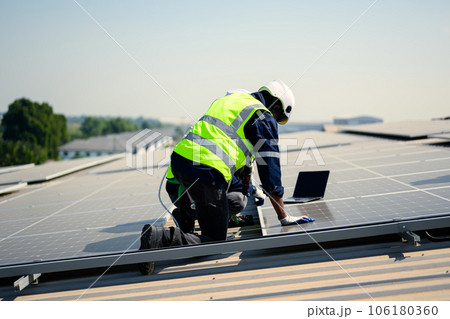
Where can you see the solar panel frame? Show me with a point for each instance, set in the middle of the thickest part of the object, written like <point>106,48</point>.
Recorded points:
<point>444,136</point>
<point>4,189</point>
<point>9,169</point>
<point>49,171</point>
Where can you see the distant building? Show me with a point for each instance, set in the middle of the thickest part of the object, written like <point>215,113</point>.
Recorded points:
<point>300,127</point>
<point>100,145</point>
<point>356,120</point>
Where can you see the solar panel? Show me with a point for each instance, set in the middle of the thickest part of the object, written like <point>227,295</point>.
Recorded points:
<point>4,189</point>
<point>379,184</point>
<point>94,213</point>
<point>445,136</point>
<point>293,141</point>
<point>361,211</point>
<point>442,192</point>
<point>9,169</point>
<point>404,129</point>
<point>45,172</point>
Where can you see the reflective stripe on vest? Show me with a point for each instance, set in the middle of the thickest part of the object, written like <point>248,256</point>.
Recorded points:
<point>211,146</point>
<point>218,138</point>
<point>231,131</point>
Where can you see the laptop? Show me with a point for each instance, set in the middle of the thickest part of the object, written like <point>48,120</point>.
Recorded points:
<point>310,186</point>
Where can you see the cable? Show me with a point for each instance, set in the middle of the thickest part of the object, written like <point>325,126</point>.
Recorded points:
<point>436,238</point>
<point>164,176</point>
<point>160,200</point>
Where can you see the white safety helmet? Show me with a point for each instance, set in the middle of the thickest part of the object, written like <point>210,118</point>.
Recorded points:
<point>281,91</point>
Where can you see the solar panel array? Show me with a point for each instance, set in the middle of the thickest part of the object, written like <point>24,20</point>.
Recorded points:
<point>404,129</point>
<point>4,189</point>
<point>9,169</point>
<point>295,141</point>
<point>49,171</point>
<point>93,213</point>
<point>102,210</point>
<point>371,182</point>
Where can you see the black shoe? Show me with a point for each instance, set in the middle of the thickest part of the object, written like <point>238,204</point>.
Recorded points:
<point>146,243</point>
<point>147,268</point>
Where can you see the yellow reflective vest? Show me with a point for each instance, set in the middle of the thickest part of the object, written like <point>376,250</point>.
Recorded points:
<point>218,139</point>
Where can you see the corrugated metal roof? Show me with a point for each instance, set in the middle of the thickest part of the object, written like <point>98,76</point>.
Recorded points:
<point>382,271</point>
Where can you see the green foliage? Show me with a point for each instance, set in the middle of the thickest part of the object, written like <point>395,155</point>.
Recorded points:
<point>148,123</point>
<point>74,131</point>
<point>118,125</point>
<point>84,127</point>
<point>20,152</point>
<point>95,126</point>
<point>31,133</point>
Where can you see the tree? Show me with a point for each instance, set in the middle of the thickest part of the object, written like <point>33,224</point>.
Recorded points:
<point>118,125</point>
<point>93,126</point>
<point>35,129</point>
<point>60,135</point>
<point>20,152</point>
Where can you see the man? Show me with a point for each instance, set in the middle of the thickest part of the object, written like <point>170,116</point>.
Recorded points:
<point>220,145</point>
<point>237,193</point>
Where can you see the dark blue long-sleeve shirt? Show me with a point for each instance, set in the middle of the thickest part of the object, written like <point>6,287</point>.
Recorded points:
<point>262,132</point>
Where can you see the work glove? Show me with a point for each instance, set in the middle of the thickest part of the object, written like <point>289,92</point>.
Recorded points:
<point>293,220</point>
<point>258,194</point>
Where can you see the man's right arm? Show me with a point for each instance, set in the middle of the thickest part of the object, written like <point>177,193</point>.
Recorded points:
<point>262,132</point>
<point>278,205</point>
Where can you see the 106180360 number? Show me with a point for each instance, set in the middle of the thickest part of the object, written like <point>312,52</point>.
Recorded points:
<point>403,310</point>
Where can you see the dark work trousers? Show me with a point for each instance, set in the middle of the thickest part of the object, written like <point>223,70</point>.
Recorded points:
<point>186,217</point>
<point>211,206</point>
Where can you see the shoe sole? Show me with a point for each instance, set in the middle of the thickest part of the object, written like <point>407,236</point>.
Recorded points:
<point>148,267</point>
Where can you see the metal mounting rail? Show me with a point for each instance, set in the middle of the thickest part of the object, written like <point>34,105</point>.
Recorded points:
<point>239,245</point>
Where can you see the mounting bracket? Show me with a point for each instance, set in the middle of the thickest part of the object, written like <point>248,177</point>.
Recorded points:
<point>24,281</point>
<point>411,238</point>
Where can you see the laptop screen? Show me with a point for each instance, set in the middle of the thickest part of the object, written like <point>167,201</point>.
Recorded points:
<point>311,184</point>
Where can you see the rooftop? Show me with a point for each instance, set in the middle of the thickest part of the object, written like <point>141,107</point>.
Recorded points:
<point>98,211</point>
<point>112,143</point>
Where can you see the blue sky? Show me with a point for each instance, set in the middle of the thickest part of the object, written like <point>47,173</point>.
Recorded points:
<point>393,63</point>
